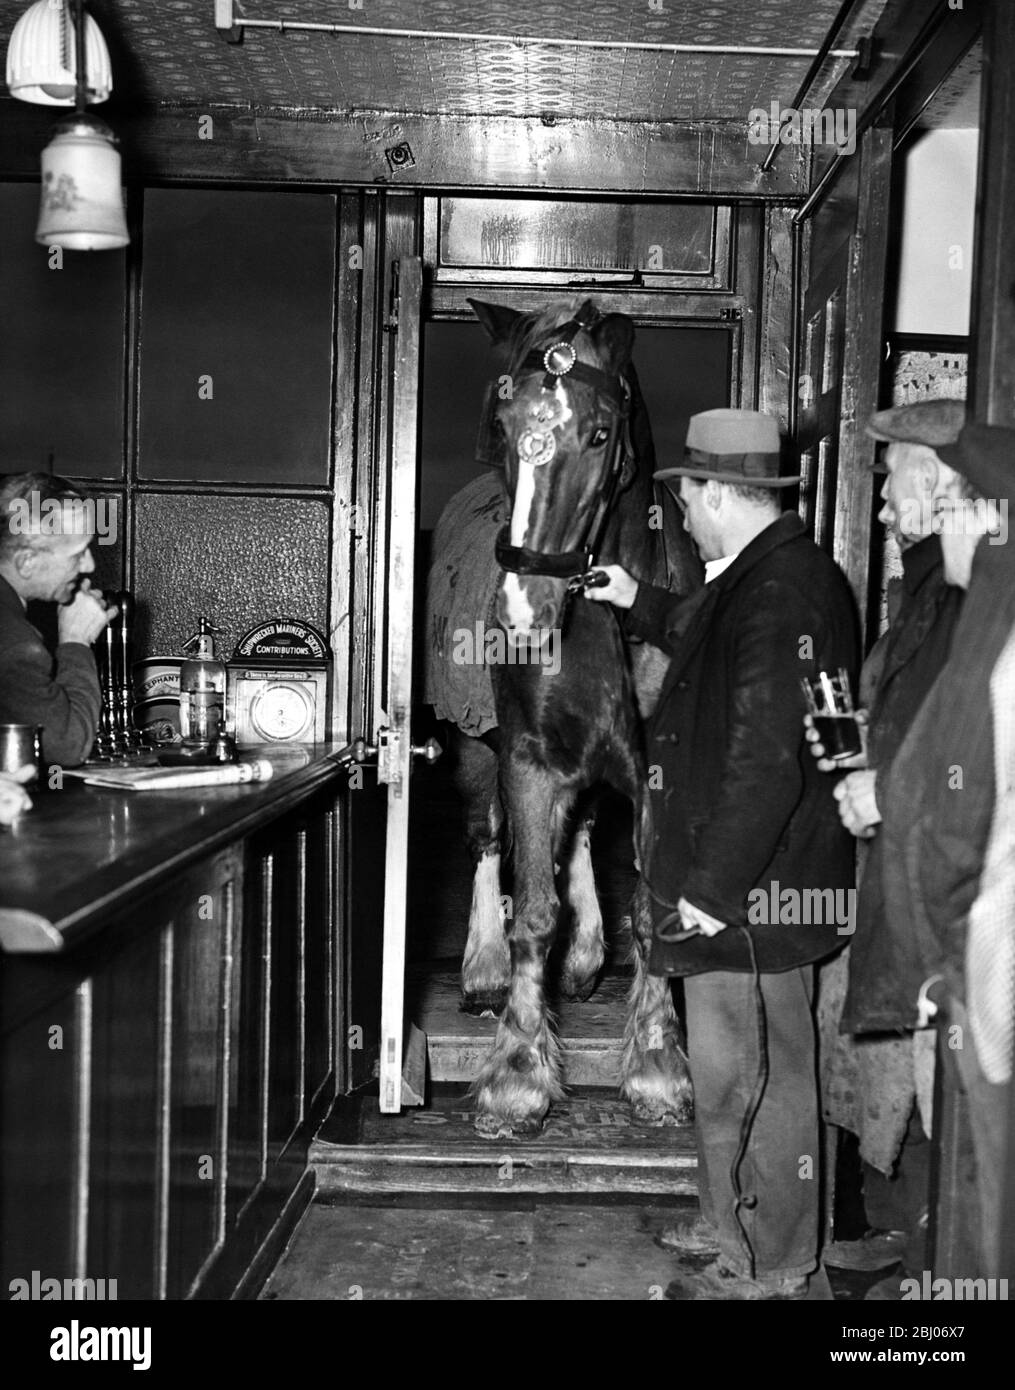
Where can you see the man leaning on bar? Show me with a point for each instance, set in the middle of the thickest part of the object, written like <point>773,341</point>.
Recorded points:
<point>45,554</point>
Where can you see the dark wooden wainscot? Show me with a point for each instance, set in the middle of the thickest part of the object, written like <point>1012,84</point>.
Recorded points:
<point>171,990</point>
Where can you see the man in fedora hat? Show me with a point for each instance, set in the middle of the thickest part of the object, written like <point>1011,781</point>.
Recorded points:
<point>870,1071</point>
<point>949,824</point>
<point>744,832</point>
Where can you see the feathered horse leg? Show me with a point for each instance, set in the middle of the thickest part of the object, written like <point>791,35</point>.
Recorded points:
<point>585,951</point>
<point>654,1074</point>
<point>520,1078</point>
<point>486,966</point>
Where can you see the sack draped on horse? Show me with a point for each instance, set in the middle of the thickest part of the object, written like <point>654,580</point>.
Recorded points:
<point>461,590</point>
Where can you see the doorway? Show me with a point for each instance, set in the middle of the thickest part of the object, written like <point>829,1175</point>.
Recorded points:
<point>683,368</point>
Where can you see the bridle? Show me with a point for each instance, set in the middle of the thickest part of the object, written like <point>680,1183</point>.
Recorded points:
<point>537,445</point>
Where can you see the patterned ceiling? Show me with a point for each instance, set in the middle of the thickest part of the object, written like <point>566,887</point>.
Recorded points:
<point>167,52</point>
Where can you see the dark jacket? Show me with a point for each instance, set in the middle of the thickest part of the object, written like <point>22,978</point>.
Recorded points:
<point>59,693</point>
<point>738,804</point>
<point>916,647</point>
<point>937,795</point>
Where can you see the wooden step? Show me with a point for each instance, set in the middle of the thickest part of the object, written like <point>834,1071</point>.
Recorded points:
<point>588,1145</point>
<point>457,1043</point>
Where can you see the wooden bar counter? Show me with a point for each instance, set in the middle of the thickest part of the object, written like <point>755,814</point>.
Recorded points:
<point>171,987</point>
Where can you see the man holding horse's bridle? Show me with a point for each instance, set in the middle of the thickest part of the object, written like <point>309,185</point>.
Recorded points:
<point>749,868</point>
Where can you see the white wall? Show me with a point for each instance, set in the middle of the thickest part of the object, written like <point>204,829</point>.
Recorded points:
<point>937,234</point>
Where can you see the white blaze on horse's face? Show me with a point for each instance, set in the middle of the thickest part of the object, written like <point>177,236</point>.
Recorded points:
<point>536,447</point>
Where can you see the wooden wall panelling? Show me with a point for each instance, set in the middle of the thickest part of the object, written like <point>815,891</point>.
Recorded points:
<point>39,1098</point>
<point>750,223</point>
<point>368,324</point>
<point>862,314</point>
<point>775,315</point>
<point>125,1125</point>
<point>450,152</point>
<point>61,350</point>
<point>285,1090</point>
<point>319,994</point>
<point>203,939</point>
<point>992,359</point>
<point>351,274</point>
<point>236,336</point>
<point>248,1130</point>
<point>363,902</point>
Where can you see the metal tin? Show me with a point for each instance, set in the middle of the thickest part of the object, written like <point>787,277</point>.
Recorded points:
<point>156,677</point>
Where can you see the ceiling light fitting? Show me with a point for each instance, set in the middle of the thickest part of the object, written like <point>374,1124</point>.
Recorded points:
<point>58,57</point>
<point>40,57</point>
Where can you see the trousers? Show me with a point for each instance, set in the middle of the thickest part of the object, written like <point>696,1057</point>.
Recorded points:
<point>779,1175</point>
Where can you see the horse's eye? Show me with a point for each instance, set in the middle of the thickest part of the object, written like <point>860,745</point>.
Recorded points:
<point>599,438</point>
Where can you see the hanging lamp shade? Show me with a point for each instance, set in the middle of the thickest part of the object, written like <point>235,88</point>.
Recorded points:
<point>81,208</point>
<point>40,57</point>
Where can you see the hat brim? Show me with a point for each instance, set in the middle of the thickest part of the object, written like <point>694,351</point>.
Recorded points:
<point>705,475</point>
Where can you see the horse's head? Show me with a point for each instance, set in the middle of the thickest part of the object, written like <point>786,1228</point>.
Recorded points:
<point>561,413</point>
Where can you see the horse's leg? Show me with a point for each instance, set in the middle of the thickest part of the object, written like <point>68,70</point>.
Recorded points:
<point>519,1080</point>
<point>486,966</point>
<point>584,958</point>
<point>654,1074</point>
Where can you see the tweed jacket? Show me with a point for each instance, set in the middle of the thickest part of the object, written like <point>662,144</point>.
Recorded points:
<point>58,692</point>
<point>937,796</point>
<point>743,823</point>
<point>916,648</point>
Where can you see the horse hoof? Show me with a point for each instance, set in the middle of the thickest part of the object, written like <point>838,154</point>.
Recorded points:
<point>579,990</point>
<point>489,1003</point>
<point>494,1127</point>
<point>659,1116</point>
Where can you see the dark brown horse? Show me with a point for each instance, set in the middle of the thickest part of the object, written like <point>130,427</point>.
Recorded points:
<point>566,691</point>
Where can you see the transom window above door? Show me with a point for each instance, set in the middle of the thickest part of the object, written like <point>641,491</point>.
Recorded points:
<point>576,243</point>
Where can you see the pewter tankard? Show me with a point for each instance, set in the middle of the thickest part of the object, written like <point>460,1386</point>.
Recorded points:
<point>20,746</point>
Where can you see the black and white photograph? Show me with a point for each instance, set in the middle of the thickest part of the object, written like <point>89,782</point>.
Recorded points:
<point>507,671</point>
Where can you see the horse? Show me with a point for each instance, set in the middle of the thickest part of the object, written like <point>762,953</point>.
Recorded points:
<point>554,704</point>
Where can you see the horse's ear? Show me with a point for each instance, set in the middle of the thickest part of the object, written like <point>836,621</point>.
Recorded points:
<point>614,335</point>
<point>498,320</point>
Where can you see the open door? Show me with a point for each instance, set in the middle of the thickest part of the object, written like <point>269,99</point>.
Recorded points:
<point>382,811</point>
<point>394,750</point>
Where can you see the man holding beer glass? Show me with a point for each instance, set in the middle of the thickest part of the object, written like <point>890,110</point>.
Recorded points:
<point>870,1082</point>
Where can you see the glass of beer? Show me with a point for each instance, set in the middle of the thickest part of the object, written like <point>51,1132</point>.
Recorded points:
<point>831,707</point>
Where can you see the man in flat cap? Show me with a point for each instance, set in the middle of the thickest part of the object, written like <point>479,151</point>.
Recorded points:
<point>870,1072</point>
<point>745,830</point>
<point>948,801</point>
